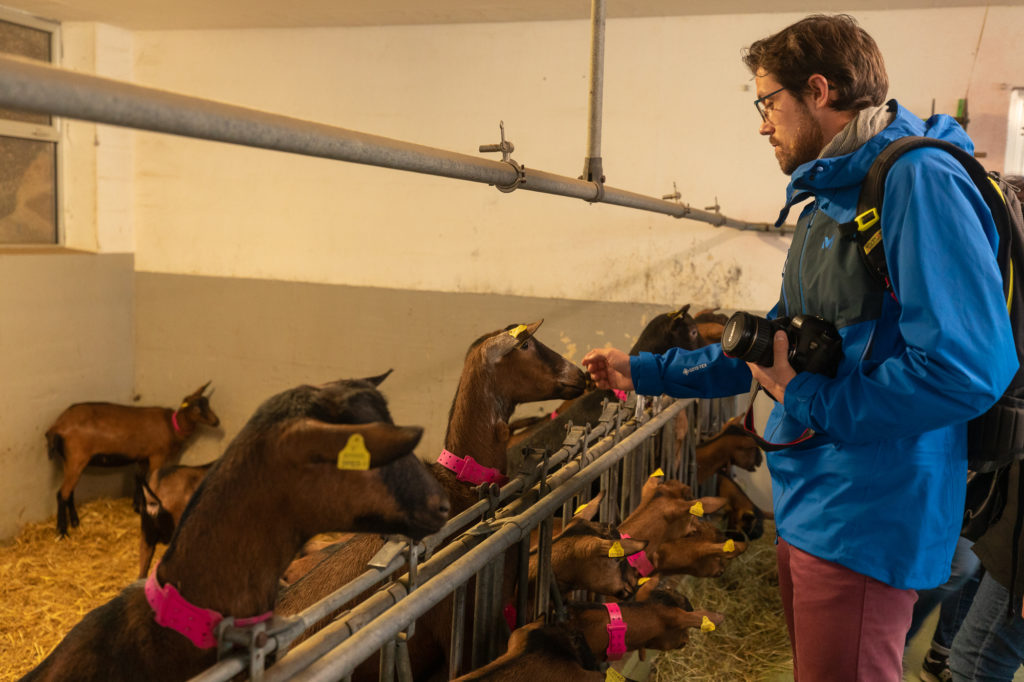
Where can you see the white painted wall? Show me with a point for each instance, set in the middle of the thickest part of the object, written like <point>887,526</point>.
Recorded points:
<point>677,109</point>
<point>98,168</point>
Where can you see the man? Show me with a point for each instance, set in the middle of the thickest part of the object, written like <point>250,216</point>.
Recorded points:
<point>869,508</point>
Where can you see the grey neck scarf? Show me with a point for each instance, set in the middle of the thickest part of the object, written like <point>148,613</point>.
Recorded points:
<point>868,123</point>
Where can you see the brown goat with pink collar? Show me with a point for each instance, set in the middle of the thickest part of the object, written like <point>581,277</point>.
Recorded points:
<point>307,462</point>
<point>107,434</point>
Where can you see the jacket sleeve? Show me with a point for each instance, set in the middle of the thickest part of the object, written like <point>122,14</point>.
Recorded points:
<point>952,353</point>
<point>702,373</point>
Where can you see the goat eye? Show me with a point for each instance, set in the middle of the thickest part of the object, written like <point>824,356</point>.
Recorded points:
<point>525,346</point>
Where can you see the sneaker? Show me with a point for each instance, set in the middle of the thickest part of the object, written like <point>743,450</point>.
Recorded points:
<point>935,668</point>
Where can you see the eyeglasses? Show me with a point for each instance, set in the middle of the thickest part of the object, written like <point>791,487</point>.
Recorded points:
<point>765,110</point>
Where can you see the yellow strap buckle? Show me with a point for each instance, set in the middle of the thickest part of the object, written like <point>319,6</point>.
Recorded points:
<point>866,219</point>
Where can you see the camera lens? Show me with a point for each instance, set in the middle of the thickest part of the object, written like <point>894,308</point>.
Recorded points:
<point>747,337</point>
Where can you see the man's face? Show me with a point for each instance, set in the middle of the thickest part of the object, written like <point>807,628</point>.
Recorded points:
<point>794,134</point>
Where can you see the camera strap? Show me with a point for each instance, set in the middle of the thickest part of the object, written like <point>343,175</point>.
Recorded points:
<point>766,445</point>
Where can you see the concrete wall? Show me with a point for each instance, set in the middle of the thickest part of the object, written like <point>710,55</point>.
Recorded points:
<point>66,335</point>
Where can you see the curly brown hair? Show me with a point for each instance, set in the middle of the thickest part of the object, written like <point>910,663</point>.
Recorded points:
<point>834,46</point>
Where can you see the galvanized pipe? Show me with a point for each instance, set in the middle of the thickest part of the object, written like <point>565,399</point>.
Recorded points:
<point>593,169</point>
<point>37,87</point>
<point>343,659</point>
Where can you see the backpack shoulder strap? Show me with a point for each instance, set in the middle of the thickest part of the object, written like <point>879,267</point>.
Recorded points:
<point>866,227</point>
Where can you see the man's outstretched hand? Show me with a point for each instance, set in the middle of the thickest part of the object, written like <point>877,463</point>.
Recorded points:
<point>609,368</point>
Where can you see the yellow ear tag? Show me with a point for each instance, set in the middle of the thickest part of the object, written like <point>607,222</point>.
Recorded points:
<point>657,472</point>
<point>354,455</point>
<point>641,581</point>
<point>580,508</point>
<point>183,406</point>
<point>613,675</point>
<point>514,333</point>
<point>706,625</point>
<point>729,546</point>
<point>616,551</point>
<point>697,509</point>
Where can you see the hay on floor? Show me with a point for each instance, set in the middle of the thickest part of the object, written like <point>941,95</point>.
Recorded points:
<point>752,644</point>
<point>47,584</point>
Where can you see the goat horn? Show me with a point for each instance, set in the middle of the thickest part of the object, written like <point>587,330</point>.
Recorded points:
<point>202,388</point>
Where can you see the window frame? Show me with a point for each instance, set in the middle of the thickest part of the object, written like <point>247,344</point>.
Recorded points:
<point>41,133</point>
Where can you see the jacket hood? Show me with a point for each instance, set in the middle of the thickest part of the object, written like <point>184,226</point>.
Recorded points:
<point>849,170</point>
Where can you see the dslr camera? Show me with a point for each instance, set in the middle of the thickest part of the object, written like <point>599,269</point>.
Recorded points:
<point>814,344</point>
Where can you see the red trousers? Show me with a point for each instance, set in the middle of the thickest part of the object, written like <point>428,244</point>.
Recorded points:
<point>843,625</point>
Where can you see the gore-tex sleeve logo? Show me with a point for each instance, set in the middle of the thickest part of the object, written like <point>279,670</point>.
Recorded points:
<point>690,370</point>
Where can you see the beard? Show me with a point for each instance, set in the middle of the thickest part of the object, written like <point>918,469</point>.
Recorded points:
<point>808,141</point>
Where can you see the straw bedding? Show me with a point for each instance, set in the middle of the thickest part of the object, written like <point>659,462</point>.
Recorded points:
<point>752,643</point>
<point>47,585</point>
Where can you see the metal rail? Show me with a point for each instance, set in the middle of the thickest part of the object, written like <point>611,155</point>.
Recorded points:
<point>36,87</point>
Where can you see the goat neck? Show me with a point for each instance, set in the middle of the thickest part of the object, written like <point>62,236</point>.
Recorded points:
<point>231,565</point>
<point>478,424</point>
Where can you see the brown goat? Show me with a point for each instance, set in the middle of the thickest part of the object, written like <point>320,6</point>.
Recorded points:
<point>667,330</point>
<point>582,556</point>
<point>704,554</point>
<point>164,496</point>
<point>501,370</point>
<point>710,324</point>
<point>744,519</point>
<point>107,434</point>
<point>285,477</point>
<point>660,619</point>
<point>540,653</point>
<point>732,446</point>
<point>665,512</point>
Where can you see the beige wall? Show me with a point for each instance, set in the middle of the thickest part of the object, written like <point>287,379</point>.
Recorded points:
<point>253,338</point>
<point>677,109</point>
<point>66,335</point>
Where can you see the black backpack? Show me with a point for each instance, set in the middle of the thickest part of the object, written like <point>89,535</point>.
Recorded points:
<point>996,438</point>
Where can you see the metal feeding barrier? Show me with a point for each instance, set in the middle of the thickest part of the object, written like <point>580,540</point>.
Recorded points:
<point>617,454</point>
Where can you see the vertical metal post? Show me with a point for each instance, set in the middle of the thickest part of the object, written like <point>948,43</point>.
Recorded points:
<point>458,631</point>
<point>523,590</point>
<point>402,662</point>
<point>494,613</point>
<point>592,167</point>
<point>543,567</point>
<point>481,609</point>
<point>387,662</point>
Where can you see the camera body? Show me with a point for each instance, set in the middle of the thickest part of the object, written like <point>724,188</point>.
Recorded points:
<point>814,343</point>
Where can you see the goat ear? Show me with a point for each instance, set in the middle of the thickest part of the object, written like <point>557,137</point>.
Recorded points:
<point>644,592</point>
<point>713,504</point>
<point>681,313</point>
<point>695,619</point>
<point>383,442</point>
<point>379,379</point>
<point>507,340</point>
<point>199,391</point>
<point>589,510</point>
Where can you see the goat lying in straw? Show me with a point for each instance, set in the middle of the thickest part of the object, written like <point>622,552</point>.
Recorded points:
<point>294,470</point>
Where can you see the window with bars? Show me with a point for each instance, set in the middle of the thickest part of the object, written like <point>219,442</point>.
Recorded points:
<point>29,159</point>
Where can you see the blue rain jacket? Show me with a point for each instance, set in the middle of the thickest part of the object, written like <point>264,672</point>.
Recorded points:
<point>880,487</point>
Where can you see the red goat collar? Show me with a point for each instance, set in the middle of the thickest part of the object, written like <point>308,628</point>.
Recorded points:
<point>616,633</point>
<point>173,611</point>
<point>639,561</point>
<point>174,421</point>
<point>469,470</point>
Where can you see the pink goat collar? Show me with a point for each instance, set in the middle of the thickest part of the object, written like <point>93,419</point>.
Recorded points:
<point>174,421</point>
<point>469,470</point>
<point>616,633</point>
<point>173,611</point>
<point>639,561</point>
